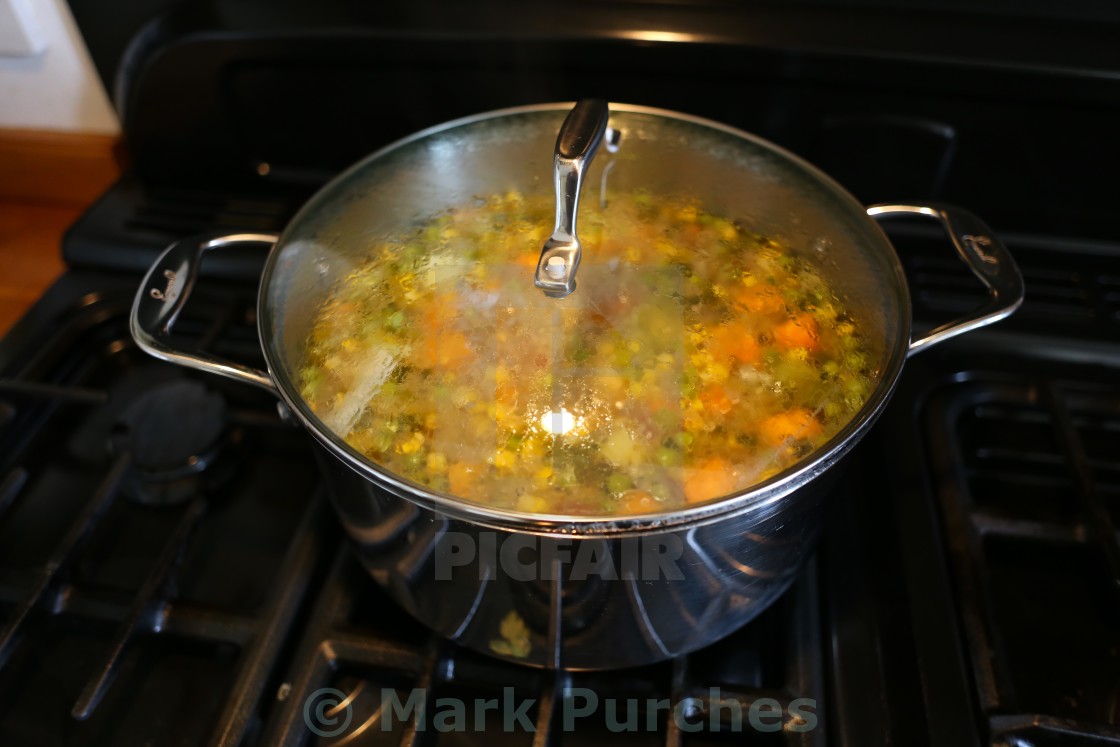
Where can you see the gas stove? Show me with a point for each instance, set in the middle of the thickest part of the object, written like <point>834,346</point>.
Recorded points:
<point>171,573</point>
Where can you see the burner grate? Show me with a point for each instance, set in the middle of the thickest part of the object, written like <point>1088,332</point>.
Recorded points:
<point>121,621</point>
<point>352,655</point>
<point>1073,287</point>
<point>1025,469</point>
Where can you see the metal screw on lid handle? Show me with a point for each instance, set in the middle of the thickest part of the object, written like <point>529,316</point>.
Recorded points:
<point>579,139</point>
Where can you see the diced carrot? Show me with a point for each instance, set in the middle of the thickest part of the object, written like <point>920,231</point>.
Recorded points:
<point>461,478</point>
<point>710,479</point>
<point>800,332</point>
<point>637,502</point>
<point>435,315</point>
<point>345,307</point>
<point>758,299</point>
<point>446,350</point>
<point>505,393</point>
<point>792,424</point>
<point>734,341</point>
<point>715,399</point>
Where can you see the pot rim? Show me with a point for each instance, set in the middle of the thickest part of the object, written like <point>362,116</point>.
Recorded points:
<point>757,497</point>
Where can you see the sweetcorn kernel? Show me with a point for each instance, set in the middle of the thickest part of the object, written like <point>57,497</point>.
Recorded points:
<point>532,504</point>
<point>437,463</point>
<point>412,444</point>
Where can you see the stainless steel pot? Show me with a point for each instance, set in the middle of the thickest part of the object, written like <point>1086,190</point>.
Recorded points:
<point>567,591</point>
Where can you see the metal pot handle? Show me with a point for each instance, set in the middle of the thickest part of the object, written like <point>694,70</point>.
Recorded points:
<point>984,254</point>
<point>577,143</point>
<point>165,291</point>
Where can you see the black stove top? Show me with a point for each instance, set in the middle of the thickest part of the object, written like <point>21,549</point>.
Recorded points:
<point>171,574</point>
<point>966,591</point>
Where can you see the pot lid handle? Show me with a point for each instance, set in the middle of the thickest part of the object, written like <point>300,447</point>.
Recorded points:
<point>578,141</point>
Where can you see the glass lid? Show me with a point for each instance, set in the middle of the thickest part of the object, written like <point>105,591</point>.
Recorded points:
<point>733,316</point>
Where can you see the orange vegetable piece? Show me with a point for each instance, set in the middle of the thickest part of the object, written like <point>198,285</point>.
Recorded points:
<point>799,332</point>
<point>734,342</point>
<point>462,477</point>
<point>715,398</point>
<point>435,315</point>
<point>637,502</point>
<point>792,424</point>
<point>446,349</point>
<point>710,479</point>
<point>505,393</point>
<point>527,258</point>
<point>758,299</point>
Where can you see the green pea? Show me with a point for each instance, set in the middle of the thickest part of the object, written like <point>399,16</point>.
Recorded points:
<point>619,482</point>
<point>395,320</point>
<point>667,457</point>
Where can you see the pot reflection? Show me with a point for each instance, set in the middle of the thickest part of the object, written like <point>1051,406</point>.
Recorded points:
<point>577,602</point>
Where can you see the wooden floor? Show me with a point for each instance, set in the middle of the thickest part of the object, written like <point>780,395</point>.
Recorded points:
<point>46,181</point>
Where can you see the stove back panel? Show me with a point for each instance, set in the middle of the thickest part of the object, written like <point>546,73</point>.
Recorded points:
<point>1010,119</point>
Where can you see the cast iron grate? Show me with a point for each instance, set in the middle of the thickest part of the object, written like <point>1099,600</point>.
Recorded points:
<point>175,213</point>
<point>353,652</point>
<point>125,623</point>
<point>1073,287</point>
<point>131,223</point>
<point>1026,472</point>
